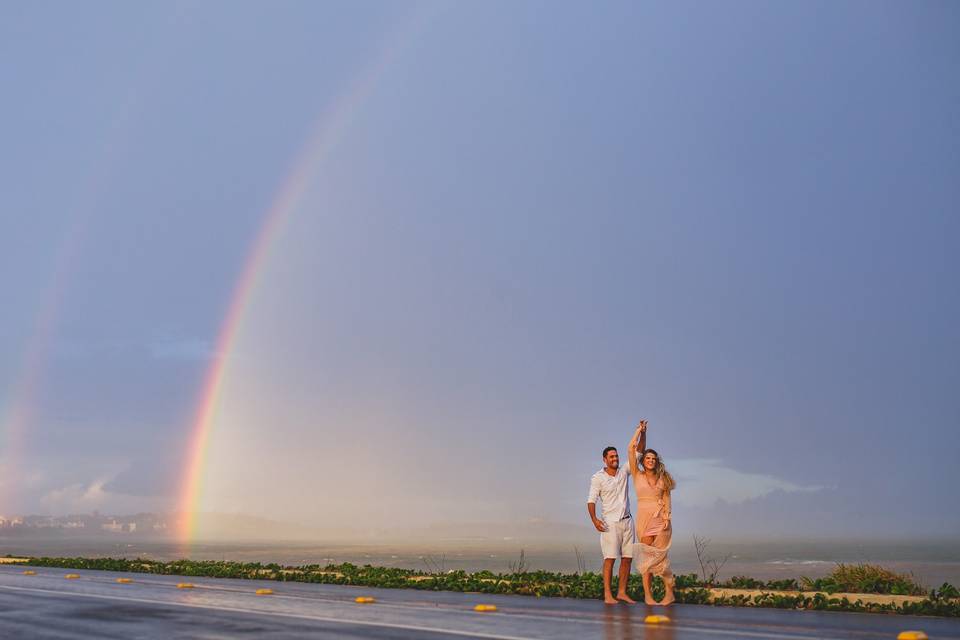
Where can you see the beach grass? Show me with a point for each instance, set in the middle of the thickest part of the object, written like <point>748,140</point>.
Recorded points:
<point>865,578</point>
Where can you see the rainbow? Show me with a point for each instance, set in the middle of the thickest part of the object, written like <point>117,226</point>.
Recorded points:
<point>19,411</point>
<point>20,404</point>
<point>327,131</point>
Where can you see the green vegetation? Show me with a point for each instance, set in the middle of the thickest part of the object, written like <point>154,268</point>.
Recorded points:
<point>865,578</point>
<point>690,588</point>
<point>742,582</point>
<point>845,578</point>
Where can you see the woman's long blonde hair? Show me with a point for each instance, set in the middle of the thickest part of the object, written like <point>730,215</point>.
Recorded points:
<point>663,476</point>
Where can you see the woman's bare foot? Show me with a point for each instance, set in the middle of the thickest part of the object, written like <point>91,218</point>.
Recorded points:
<point>668,598</point>
<point>625,598</point>
<point>648,599</point>
<point>610,600</point>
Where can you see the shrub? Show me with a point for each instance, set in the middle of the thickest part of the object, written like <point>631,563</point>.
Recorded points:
<point>865,578</point>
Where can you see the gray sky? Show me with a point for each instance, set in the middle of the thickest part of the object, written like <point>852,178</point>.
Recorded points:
<point>539,223</point>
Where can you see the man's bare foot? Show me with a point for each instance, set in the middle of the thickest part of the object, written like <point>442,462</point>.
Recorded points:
<point>668,599</point>
<point>625,598</point>
<point>610,600</point>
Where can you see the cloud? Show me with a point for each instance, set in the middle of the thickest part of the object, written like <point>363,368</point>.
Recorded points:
<point>62,482</point>
<point>106,489</point>
<point>85,497</point>
<point>149,475</point>
<point>704,482</point>
<point>75,497</point>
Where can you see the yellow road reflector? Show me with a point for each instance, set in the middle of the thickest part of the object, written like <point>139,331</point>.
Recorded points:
<point>656,619</point>
<point>184,585</point>
<point>485,607</point>
<point>364,600</point>
<point>264,592</point>
<point>124,580</point>
<point>72,576</point>
<point>912,635</point>
<point>29,573</point>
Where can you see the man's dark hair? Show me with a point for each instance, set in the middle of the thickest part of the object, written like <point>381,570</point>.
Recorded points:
<point>608,450</point>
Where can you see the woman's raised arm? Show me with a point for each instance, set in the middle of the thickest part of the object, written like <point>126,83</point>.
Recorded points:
<point>638,444</point>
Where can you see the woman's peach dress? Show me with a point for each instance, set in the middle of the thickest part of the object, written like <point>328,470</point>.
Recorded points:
<point>650,505</point>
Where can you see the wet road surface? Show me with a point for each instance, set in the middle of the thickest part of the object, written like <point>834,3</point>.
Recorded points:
<point>47,605</point>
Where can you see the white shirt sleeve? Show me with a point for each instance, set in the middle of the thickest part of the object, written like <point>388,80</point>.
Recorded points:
<point>594,490</point>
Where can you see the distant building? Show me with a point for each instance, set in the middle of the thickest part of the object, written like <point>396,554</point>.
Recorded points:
<point>112,526</point>
<point>38,522</point>
<point>138,523</point>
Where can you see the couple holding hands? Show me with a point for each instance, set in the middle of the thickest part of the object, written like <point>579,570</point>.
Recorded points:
<point>620,536</point>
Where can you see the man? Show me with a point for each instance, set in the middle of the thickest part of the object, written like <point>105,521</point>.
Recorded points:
<point>617,536</point>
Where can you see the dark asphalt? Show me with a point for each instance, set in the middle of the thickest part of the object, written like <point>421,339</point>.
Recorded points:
<point>94,606</point>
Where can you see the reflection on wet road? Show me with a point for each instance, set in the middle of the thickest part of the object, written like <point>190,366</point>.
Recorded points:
<point>46,605</point>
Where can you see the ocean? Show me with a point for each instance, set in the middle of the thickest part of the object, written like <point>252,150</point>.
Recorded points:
<point>930,562</point>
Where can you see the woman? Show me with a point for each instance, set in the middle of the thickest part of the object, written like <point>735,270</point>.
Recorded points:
<point>653,484</point>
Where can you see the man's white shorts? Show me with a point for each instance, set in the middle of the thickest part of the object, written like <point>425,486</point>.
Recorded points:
<point>618,540</point>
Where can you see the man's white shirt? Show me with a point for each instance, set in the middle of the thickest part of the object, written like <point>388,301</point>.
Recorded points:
<point>612,492</point>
